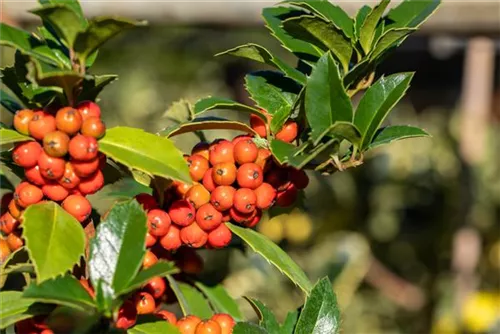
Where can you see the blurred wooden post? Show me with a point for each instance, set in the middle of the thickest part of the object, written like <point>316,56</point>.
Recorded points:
<point>477,94</point>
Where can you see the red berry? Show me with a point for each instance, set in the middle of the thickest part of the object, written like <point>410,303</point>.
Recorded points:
<point>51,167</point>
<point>208,327</point>
<point>193,236</point>
<point>127,315</point>
<point>55,191</point>
<point>245,151</point>
<point>198,195</point>
<point>245,200</point>
<point>93,127</point>
<point>258,125</point>
<point>240,217</point>
<point>250,175</point>
<point>298,177</point>
<point>207,217</point>
<point>83,148</point>
<point>201,149</point>
<point>208,181</point>
<point>224,174</point>
<point>225,321</point>
<point>168,316</point>
<point>264,160</point>
<point>239,138</point>
<point>88,109</point>
<point>149,260</point>
<point>68,120</point>
<point>220,237</point>
<point>8,223</point>
<point>34,176</point>
<point>278,178</point>
<point>85,168</point>
<point>77,206</point>
<point>22,119</point>
<point>221,152</point>
<point>222,197</point>
<point>26,154</point>
<point>150,240</point>
<point>69,180</point>
<point>172,240</point>
<point>255,219</point>
<point>41,124</point>
<point>288,132</point>
<point>147,201</point>
<point>158,222</point>
<point>56,144</point>
<point>28,194</point>
<point>265,196</point>
<point>287,197</point>
<point>156,287</point>
<point>182,213</point>
<point>187,325</point>
<point>198,165</point>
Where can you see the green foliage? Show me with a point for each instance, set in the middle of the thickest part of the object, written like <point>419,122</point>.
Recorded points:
<point>220,300</point>
<point>160,269</point>
<point>190,299</point>
<point>154,327</point>
<point>54,239</point>
<point>16,308</point>
<point>248,328</point>
<point>8,136</point>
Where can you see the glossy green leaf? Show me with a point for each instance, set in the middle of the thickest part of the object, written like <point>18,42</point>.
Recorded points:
<point>287,153</point>
<point>267,320</point>
<point>411,13</point>
<point>320,313</point>
<point>388,39</point>
<point>330,12</point>
<point>8,136</point>
<point>154,327</point>
<point>73,4</point>
<point>206,123</point>
<point>60,50</point>
<point>220,300</point>
<point>258,53</point>
<point>11,79</point>
<point>17,258</point>
<point>63,19</point>
<point>323,34</point>
<point>377,102</point>
<point>273,16</point>
<point>289,323</point>
<point>27,44</point>
<point>396,132</point>
<point>16,308</point>
<point>275,255</point>
<point>190,299</point>
<point>99,31</point>
<point>145,152</point>
<point>248,328</point>
<point>161,268</point>
<point>65,290</point>
<point>326,100</point>
<point>343,130</point>
<point>117,250</point>
<point>360,18</point>
<point>9,102</point>
<point>367,30</point>
<point>212,103</point>
<point>270,91</point>
<point>54,239</point>
<point>47,75</point>
<point>279,118</point>
<point>91,87</point>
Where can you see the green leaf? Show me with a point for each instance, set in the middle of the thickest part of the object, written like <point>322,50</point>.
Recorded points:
<point>65,290</point>
<point>270,91</point>
<point>211,103</point>
<point>156,327</point>
<point>205,123</point>
<point>91,87</point>
<point>323,34</point>
<point>411,13</point>
<point>248,328</point>
<point>63,19</point>
<point>190,299</point>
<point>279,118</point>
<point>161,269</point>
<point>8,136</point>
<point>145,152</point>
<point>289,323</point>
<point>99,31</point>
<point>9,103</point>
<point>258,53</point>
<point>274,17</point>
<point>275,255</point>
<point>19,257</point>
<point>16,308</point>
<point>117,250</point>
<point>343,130</point>
<point>54,239</point>
<point>266,318</point>
<point>60,51</point>
<point>220,300</point>
<point>377,102</point>
<point>320,313</point>
<point>396,132</point>
<point>388,39</point>
<point>47,76</point>
<point>367,31</point>
<point>360,18</point>
<point>73,4</point>
<point>287,153</point>
<point>329,12</point>
<point>358,72</point>
<point>326,100</point>
<point>28,45</point>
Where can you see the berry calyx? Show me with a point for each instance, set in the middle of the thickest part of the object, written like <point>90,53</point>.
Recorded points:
<point>207,217</point>
<point>69,180</point>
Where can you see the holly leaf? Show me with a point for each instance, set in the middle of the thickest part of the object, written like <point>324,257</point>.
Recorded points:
<point>161,268</point>
<point>72,4</point>
<point>360,19</point>
<point>8,136</point>
<point>65,290</point>
<point>377,102</point>
<point>367,30</point>
<point>220,300</point>
<point>248,328</point>
<point>212,103</point>
<point>16,308</point>
<point>54,239</point>
<point>92,86</point>
<point>396,132</point>
<point>190,299</point>
<point>389,39</point>
<point>154,327</point>
<point>275,255</point>
<point>411,13</point>
<point>267,320</point>
<point>146,152</point>
<point>287,153</point>
<point>320,313</point>
<point>279,118</point>
<point>9,102</point>
<point>117,250</point>
<point>17,258</point>
<point>289,323</point>
<point>205,123</point>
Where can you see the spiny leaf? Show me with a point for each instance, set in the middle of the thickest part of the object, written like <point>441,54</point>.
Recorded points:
<point>190,299</point>
<point>205,123</point>
<point>367,31</point>
<point>211,103</point>
<point>16,308</point>
<point>396,132</point>
<point>220,300</point>
<point>411,13</point>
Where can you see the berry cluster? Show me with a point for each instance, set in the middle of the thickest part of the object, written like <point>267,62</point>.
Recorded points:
<point>62,164</point>
<point>233,181</point>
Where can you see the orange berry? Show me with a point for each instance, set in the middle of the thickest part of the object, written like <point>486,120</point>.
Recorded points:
<point>220,237</point>
<point>254,220</point>
<point>51,167</point>
<point>245,200</point>
<point>258,125</point>
<point>288,132</point>
<point>240,217</point>
<point>208,181</point>
<point>222,197</point>
<point>4,250</point>
<point>88,109</point>
<point>250,175</point>
<point>14,241</point>
<point>225,321</point>
<point>198,196</point>
<point>168,316</point>
<point>68,120</point>
<point>156,287</point>
<point>265,194</point>
<point>28,194</point>
<point>221,152</point>
<point>172,240</point>
<point>55,191</point>
<point>180,188</point>
<point>93,127</point>
<point>158,222</point>
<point>26,154</point>
<point>150,240</point>
<point>69,180</point>
<point>56,143</point>
<point>91,184</point>
<point>198,165</point>
<point>8,223</point>
<point>33,175</point>
<point>77,206</point>
<point>208,327</point>
<point>182,213</point>
<point>264,159</point>
<point>41,124</point>
<point>149,259</point>
<point>201,149</point>
<point>239,138</point>
<point>224,174</point>
<point>245,151</point>
<point>187,324</point>
<point>193,236</point>
<point>207,217</point>
<point>15,210</point>
<point>22,119</point>
<point>83,148</point>
<point>85,168</point>
<point>127,315</point>
<point>147,201</point>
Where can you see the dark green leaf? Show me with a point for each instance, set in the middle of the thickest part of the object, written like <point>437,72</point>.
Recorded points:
<point>54,239</point>
<point>47,76</point>
<point>260,54</point>
<point>388,39</point>
<point>267,320</point>
<point>323,34</point>
<point>329,12</point>
<point>16,308</point>
<point>117,250</point>
<point>275,255</point>
<point>19,257</point>
<point>99,31</point>
<point>55,44</point>
<point>279,118</point>
<point>205,123</point>
<point>326,100</point>
<point>156,327</point>
<point>377,102</point>
<point>65,290</point>
<point>220,300</point>
<point>289,323</point>
<point>274,17</point>
<point>8,136</point>
<point>161,269</point>
<point>9,102</point>
<point>343,130</point>
<point>63,19</point>
<point>190,299</point>
<point>358,72</point>
<point>411,13</point>
<point>211,103</point>
<point>320,313</point>
<point>367,31</point>
<point>249,328</point>
<point>92,86</point>
<point>270,91</point>
<point>73,4</point>
<point>146,152</point>
<point>287,153</point>
<point>360,18</point>
<point>396,132</point>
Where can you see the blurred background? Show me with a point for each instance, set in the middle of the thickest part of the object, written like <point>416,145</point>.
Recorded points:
<point>411,239</point>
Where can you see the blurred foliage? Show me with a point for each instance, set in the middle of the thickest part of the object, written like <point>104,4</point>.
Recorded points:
<point>402,208</point>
